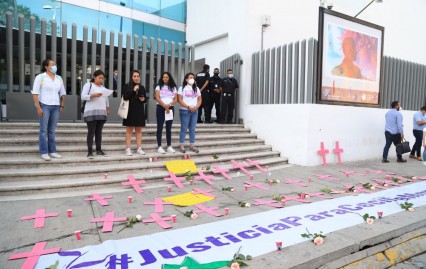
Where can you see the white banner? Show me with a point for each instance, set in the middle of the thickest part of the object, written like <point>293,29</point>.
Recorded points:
<point>256,233</point>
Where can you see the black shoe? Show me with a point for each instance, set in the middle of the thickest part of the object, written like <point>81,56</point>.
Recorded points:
<point>90,155</point>
<point>101,153</point>
<point>385,161</point>
<point>199,121</point>
<point>402,160</point>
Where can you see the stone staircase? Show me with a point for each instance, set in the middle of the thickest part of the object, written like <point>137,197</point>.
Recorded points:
<point>23,172</point>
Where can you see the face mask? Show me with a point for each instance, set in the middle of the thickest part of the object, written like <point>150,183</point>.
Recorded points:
<point>53,69</point>
<point>191,81</point>
<point>230,75</point>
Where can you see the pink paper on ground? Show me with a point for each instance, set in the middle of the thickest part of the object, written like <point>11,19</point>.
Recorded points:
<point>294,198</point>
<point>39,217</point>
<point>323,152</point>
<point>388,182</point>
<point>175,179</point>
<point>327,177</point>
<point>223,172</point>
<point>296,182</point>
<point>208,210</point>
<point>134,183</point>
<point>100,199</point>
<point>358,189</point>
<point>379,172</point>
<point>240,166</point>
<point>33,255</point>
<point>257,164</point>
<point>348,173</point>
<point>204,192</point>
<point>158,204</point>
<point>204,177</point>
<point>421,178</point>
<point>108,221</point>
<point>375,185</point>
<point>159,220</point>
<point>256,185</point>
<point>272,203</point>
<point>338,151</point>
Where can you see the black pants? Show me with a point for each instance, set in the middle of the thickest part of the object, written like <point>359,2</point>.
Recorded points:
<point>418,144</point>
<point>94,129</point>
<point>214,101</point>
<point>227,105</point>
<point>205,104</point>
<point>160,123</point>
<point>391,138</point>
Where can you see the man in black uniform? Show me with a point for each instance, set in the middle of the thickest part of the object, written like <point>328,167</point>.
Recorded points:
<point>230,86</point>
<point>202,80</point>
<point>215,89</point>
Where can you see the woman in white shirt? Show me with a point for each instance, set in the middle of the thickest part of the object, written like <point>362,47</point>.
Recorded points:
<point>189,98</point>
<point>95,111</point>
<point>166,96</point>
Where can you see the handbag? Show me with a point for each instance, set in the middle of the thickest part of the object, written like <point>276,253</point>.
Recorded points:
<point>123,109</point>
<point>403,147</point>
<point>83,105</point>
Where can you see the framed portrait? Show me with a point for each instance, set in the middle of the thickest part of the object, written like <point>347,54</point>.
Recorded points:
<point>350,53</point>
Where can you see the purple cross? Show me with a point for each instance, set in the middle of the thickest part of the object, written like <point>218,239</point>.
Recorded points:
<point>319,195</point>
<point>208,210</point>
<point>272,203</point>
<point>348,173</point>
<point>158,204</point>
<point>159,220</point>
<point>101,200</point>
<point>257,164</point>
<point>240,166</point>
<point>33,256</point>
<point>338,151</point>
<point>204,177</point>
<point>323,152</point>
<point>205,192</point>
<point>294,198</point>
<point>223,172</point>
<point>175,179</point>
<point>39,217</point>
<point>135,184</point>
<point>379,172</point>
<point>257,185</point>
<point>108,221</point>
<point>296,182</point>
<point>327,177</point>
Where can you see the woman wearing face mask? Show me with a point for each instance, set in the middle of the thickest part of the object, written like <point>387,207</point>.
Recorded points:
<point>189,98</point>
<point>48,94</point>
<point>95,111</point>
<point>136,94</point>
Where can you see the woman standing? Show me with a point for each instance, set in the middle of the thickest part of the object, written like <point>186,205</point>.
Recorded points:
<point>165,94</point>
<point>48,94</point>
<point>136,94</point>
<point>189,97</point>
<point>95,111</point>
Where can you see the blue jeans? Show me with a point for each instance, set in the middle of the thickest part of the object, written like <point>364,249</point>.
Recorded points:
<point>188,119</point>
<point>391,138</point>
<point>48,124</point>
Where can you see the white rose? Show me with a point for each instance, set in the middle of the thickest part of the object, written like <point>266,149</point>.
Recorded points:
<point>373,188</point>
<point>139,217</point>
<point>247,204</point>
<point>411,209</point>
<point>278,181</point>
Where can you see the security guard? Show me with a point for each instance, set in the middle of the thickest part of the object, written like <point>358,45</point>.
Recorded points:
<point>230,86</point>
<point>215,89</point>
<point>202,79</point>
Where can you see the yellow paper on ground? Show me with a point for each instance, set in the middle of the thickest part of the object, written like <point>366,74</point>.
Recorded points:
<point>187,199</point>
<point>181,166</point>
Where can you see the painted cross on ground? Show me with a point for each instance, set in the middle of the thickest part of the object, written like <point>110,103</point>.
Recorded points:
<point>318,195</point>
<point>294,198</point>
<point>257,164</point>
<point>323,152</point>
<point>39,217</point>
<point>356,189</point>
<point>108,221</point>
<point>404,179</point>
<point>296,182</point>
<point>375,185</point>
<point>204,177</point>
<point>223,172</point>
<point>327,177</point>
<point>379,172</point>
<point>256,185</point>
<point>134,183</point>
<point>33,256</point>
<point>240,166</point>
<point>338,151</point>
<point>158,203</point>
<point>175,179</point>
<point>208,210</point>
<point>100,199</point>
<point>272,203</point>
<point>421,178</point>
<point>204,192</point>
<point>159,220</point>
<point>388,182</point>
<point>348,173</point>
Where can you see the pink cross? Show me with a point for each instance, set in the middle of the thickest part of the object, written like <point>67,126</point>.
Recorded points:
<point>135,184</point>
<point>158,204</point>
<point>175,179</point>
<point>357,189</point>
<point>101,200</point>
<point>375,185</point>
<point>421,178</point>
<point>204,177</point>
<point>327,177</point>
<point>388,182</point>
<point>294,198</point>
<point>205,192</point>
<point>272,203</point>
<point>338,151</point>
<point>379,172</point>
<point>348,173</point>
<point>257,185</point>
<point>240,166</point>
<point>159,220</point>
<point>39,217</point>
<point>323,152</point>
<point>223,172</point>
<point>257,164</point>
<point>319,195</point>
<point>296,182</point>
<point>108,221</point>
<point>208,210</point>
<point>33,255</point>
<point>404,179</point>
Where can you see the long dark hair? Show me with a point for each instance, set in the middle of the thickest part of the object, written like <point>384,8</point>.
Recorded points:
<point>44,64</point>
<point>171,85</point>
<point>131,82</point>
<point>97,73</point>
<point>184,83</point>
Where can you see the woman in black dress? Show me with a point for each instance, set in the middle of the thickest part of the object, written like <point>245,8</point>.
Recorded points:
<point>136,94</point>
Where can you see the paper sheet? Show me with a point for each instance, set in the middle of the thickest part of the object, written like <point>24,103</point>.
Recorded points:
<point>168,116</point>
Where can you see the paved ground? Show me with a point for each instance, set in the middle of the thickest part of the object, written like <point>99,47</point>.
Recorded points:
<point>19,236</point>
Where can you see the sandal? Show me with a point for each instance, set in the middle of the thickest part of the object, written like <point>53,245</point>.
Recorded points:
<point>194,149</point>
<point>182,149</point>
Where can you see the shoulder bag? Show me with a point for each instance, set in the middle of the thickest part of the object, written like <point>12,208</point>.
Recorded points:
<point>83,105</point>
<point>123,109</point>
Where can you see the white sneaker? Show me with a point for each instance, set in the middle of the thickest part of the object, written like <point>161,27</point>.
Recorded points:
<point>129,152</point>
<point>140,151</point>
<point>55,155</point>
<point>170,149</point>
<point>160,150</point>
<point>45,157</point>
